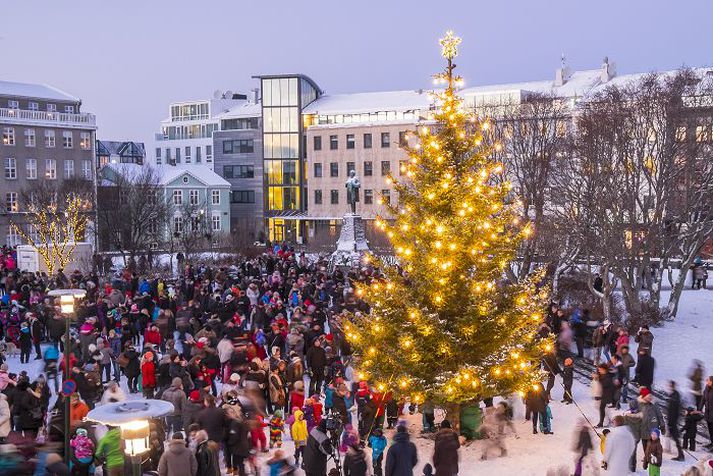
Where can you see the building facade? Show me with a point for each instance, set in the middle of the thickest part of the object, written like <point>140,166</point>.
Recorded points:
<point>46,137</point>
<point>120,152</point>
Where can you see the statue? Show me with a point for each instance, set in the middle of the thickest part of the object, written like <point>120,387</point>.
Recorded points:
<point>353,185</point>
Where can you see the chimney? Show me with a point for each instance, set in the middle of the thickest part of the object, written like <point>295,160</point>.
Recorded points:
<point>608,70</point>
<point>256,95</point>
<point>563,73</point>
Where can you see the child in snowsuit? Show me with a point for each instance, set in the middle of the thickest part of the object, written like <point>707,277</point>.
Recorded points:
<point>653,456</point>
<point>299,434</point>
<point>277,425</point>
<point>546,421</point>
<point>691,420</point>
<point>377,441</point>
<point>257,435</point>
<point>82,452</point>
<point>567,379</point>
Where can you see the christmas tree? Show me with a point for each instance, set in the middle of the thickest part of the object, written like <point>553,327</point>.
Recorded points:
<point>445,325</point>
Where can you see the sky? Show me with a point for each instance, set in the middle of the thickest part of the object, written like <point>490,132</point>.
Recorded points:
<point>128,59</point>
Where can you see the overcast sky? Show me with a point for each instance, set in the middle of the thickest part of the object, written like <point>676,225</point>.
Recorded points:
<point>127,59</point>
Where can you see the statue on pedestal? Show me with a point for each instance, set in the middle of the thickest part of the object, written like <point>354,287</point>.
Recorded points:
<point>352,243</point>
<point>353,185</point>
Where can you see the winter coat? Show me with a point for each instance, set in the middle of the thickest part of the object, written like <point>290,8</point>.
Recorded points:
<point>627,362</point>
<point>316,360</point>
<point>29,409</point>
<point>445,452</point>
<point>651,418</point>
<point>537,400</point>
<point>132,369</point>
<point>606,381</point>
<point>109,449</point>
<point>318,449</point>
<point>177,397</point>
<point>237,438</point>
<point>378,445</point>
<point>148,375</point>
<point>212,420</point>
<point>5,419</point>
<point>673,411</point>
<point>401,457</point>
<point>645,371</point>
<point>207,458</point>
<point>177,460</point>
<point>707,404</point>
<point>339,406</point>
<point>225,350</point>
<point>618,448</point>
<point>653,454</point>
<point>190,412</point>
<point>645,340</point>
<point>299,427</point>
<point>356,463</point>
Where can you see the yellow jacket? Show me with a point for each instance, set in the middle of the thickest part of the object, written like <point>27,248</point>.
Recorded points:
<point>299,427</point>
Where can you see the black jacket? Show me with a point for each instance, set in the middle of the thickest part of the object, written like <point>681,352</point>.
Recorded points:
<point>673,410</point>
<point>237,438</point>
<point>445,452</point>
<point>212,420</point>
<point>339,406</point>
<point>645,371</point>
<point>318,448</point>
<point>707,403</point>
<point>401,457</point>
<point>316,360</point>
<point>355,463</point>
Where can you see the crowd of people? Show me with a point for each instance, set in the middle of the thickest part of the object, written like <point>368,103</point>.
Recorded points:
<point>250,355</point>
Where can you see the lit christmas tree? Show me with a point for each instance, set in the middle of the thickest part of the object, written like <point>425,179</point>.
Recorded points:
<point>450,328</point>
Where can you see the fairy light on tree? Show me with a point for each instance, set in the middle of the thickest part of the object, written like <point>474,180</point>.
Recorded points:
<point>450,328</point>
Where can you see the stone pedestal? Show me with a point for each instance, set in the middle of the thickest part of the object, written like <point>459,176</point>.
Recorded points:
<point>352,243</point>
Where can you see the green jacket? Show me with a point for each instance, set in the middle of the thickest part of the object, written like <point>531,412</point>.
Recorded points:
<point>109,449</point>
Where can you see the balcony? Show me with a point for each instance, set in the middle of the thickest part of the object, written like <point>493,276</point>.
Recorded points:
<point>63,119</point>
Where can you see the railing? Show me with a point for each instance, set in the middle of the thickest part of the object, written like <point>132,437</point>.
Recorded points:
<point>44,116</point>
<point>158,136</point>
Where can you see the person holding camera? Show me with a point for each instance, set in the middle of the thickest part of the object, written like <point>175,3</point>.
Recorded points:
<point>319,448</point>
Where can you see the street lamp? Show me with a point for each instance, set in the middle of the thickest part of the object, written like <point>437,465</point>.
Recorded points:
<point>66,305</point>
<point>132,418</point>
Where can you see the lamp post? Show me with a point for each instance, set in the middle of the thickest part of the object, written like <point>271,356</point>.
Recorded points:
<point>132,418</point>
<point>66,303</point>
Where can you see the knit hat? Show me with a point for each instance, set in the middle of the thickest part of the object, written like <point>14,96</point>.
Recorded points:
<point>278,413</point>
<point>178,436</point>
<point>4,368</point>
<point>401,427</point>
<point>656,432</point>
<point>148,356</point>
<point>234,377</point>
<point>81,432</point>
<point>644,392</point>
<point>195,396</point>
<point>176,382</point>
<point>445,424</point>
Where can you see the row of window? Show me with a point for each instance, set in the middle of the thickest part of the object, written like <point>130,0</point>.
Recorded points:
<point>194,223</point>
<point>238,171</point>
<point>188,157</point>
<point>31,167</point>
<point>35,106</point>
<point>367,141</point>
<point>704,133</point>
<point>368,197</point>
<point>241,146</point>
<point>194,197</point>
<point>367,171</point>
<point>8,138</point>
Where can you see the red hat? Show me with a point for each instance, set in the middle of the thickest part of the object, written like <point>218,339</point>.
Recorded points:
<point>329,337</point>
<point>195,396</point>
<point>644,392</point>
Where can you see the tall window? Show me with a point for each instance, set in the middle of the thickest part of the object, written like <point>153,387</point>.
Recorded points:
<point>178,155</point>
<point>33,106</point>
<point>158,156</point>
<point>8,136</point>
<point>209,153</point>
<point>334,169</point>
<point>350,141</point>
<point>30,140</point>
<point>51,107</point>
<point>193,197</point>
<point>87,169</point>
<point>13,104</point>
<point>385,167</point>
<point>67,139</point>
<point>68,169</point>
<point>317,169</point>
<point>199,159</point>
<point>350,166</point>
<point>367,141</point>
<point>334,197</point>
<point>368,168</point>
<point>11,169</point>
<point>187,158</point>
<point>85,142</point>
<point>317,197</point>
<point>215,197</point>
<point>386,196</point>
<point>31,168</point>
<point>368,197</point>
<point>403,142</point>
<point>11,202</point>
<point>178,197</point>
<point>49,139</point>
<point>168,156</point>
<point>178,224</point>
<point>333,142</point>
<point>215,221</point>
<point>403,166</point>
<point>385,140</point>
<point>51,169</point>
<point>317,140</point>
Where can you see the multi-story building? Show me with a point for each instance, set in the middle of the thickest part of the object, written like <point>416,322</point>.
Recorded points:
<point>186,136</point>
<point>120,152</point>
<point>45,137</point>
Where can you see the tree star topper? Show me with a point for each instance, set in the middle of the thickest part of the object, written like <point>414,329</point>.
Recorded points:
<point>450,45</point>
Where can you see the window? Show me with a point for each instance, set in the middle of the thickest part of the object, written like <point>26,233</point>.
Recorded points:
<point>168,155</point>
<point>385,140</point>
<point>215,197</point>
<point>124,197</point>
<point>31,168</point>
<point>317,142</point>
<point>11,202</point>
<point>403,167</point>
<point>85,140</point>
<point>403,141</point>
<point>153,228</point>
<point>386,196</point>
<point>87,170</point>
<point>13,237</point>
<point>317,169</point>
<point>68,169</point>
<point>215,222</point>
<point>209,153</point>
<point>333,142</point>
<point>681,133</point>
<point>178,224</point>
<point>49,139</point>
<point>178,197</point>
<point>51,107</point>
<point>317,197</point>
<point>368,197</point>
<point>69,109</point>
<point>385,167</point>
<point>158,155</point>
<point>187,157</point>
<point>350,166</point>
<point>30,140</point>
<point>8,136</point>
<point>51,169</point>
<point>198,155</point>
<point>334,169</point>
<point>239,171</point>
<point>67,139</point>
<point>243,146</point>
<point>10,169</point>
<point>12,104</point>
<point>178,155</point>
<point>368,168</point>
<point>243,196</point>
<point>193,197</point>
<point>367,141</point>
<point>33,106</point>
<point>703,133</point>
<point>334,197</point>
<point>350,141</point>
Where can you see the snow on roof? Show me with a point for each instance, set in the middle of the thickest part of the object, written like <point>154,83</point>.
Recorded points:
<point>247,109</point>
<point>30,90</point>
<point>369,102</point>
<point>578,84</point>
<point>169,173</point>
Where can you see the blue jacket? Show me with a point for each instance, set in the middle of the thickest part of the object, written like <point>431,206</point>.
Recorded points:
<point>378,445</point>
<point>401,457</point>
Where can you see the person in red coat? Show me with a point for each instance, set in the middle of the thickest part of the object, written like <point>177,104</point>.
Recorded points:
<point>152,336</point>
<point>148,375</point>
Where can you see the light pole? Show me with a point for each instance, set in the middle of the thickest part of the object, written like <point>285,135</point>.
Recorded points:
<point>66,303</point>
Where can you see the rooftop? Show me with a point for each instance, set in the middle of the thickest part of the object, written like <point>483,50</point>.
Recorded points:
<point>169,173</point>
<point>358,103</point>
<point>247,109</point>
<point>38,91</point>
